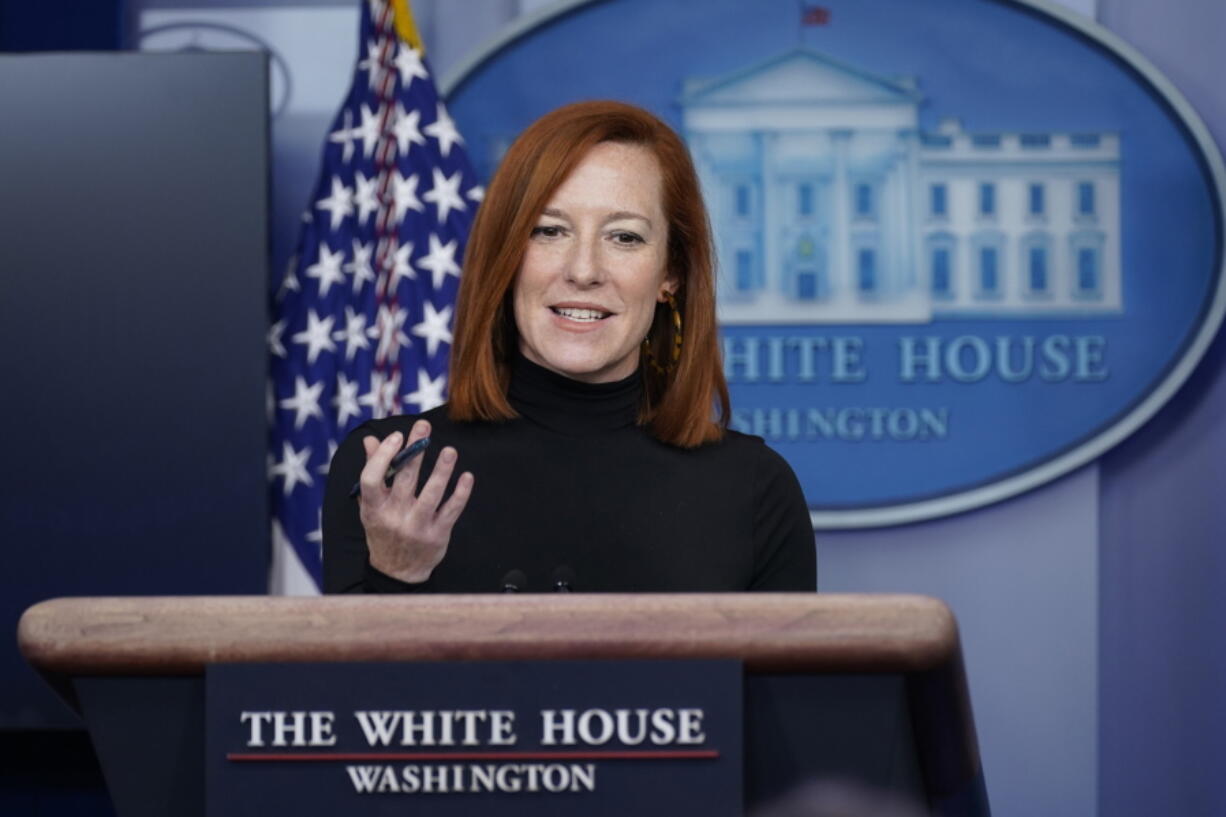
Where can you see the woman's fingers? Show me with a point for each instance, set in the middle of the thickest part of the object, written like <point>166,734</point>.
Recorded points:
<point>454,506</point>
<point>420,429</point>
<point>404,487</point>
<point>377,461</point>
<point>432,492</point>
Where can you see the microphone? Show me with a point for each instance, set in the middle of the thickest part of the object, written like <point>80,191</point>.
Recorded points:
<point>514,581</point>
<point>563,580</point>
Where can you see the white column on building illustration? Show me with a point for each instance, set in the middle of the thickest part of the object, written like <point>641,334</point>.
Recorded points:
<point>964,230</point>
<point>840,265</point>
<point>715,198</point>
<point>772,195</point>
<point>909,263</point>
<point>1060,208</point>
<point>892,226</point>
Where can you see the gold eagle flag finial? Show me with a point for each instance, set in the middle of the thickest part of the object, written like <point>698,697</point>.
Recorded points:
<point>405,26</point>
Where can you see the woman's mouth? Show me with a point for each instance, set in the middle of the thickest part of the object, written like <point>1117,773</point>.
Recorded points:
<point>582,315</point>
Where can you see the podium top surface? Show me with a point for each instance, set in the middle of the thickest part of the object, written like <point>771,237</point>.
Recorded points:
<point>772,632</point>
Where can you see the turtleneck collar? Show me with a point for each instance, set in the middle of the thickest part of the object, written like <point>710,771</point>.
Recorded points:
<point>570,406</point>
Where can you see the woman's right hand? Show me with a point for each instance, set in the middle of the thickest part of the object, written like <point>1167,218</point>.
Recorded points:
<point>407,533</point>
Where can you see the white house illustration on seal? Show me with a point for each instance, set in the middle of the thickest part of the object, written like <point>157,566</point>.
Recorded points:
<point>829,204</point>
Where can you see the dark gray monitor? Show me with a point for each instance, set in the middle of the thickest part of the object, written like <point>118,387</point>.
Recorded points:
<point>133,285</point>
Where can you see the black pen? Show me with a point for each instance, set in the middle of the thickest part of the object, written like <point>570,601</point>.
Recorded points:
<point>399,461</point>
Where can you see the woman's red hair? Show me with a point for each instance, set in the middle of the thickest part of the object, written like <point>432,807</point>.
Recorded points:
<point>687,406</point>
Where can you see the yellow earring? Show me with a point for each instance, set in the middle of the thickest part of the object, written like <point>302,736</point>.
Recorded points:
<point>675,356</point>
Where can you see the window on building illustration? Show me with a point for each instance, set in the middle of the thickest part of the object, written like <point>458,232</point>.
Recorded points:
<point>804,200</point>
<point>1036,202</point>
<point>942,278</point>
<point>940,253</point>
<point>1085,198</point>
<point>987,199</point>
<point>1087,271</point>
<point>743,201</point>
<point>744,271</point>
<point>989,272</point>
<point>866,269</point>
<point>1036,266</point>
<point>938,204</point>
<point>864,200</point>
<point>807,288</point>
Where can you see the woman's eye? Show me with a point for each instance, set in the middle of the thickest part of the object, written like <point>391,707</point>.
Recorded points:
<point>627,238</point>
<point>546,231</point>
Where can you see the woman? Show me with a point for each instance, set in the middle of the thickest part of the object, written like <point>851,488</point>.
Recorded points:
<point>585,372</point>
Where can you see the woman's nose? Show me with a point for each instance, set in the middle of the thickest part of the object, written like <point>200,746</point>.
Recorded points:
<point>585,266</point>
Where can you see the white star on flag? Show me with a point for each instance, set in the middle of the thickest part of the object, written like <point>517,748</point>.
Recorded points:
<point>434,327</point>
<point>373,399</point>
<point>360,265</point>
<point>409,64</point>
<point>406,129</point>
<point>346,400</point>
<point>440,261</point>
<point>429,393</point>
<point>290,282</point>
<point>354,333</point>
<point>338,204</point>
<point>316,336</point>
<point>404,194</point>
<point>388,332</point>
<point>381,399</point>
<point>292,468</point>
<point>445,194</point>
<point>317,535</point>
<point>305,402</point>
<point>365,196</point>
<point>443,129</point>
<point>371,64</point>
<point>391,388</point>
<point>402,267</point>
<point>344,136</point>
<point>368,131</point>
<point>275,346</point>
<point>322,470</point>
<point>327,269</point>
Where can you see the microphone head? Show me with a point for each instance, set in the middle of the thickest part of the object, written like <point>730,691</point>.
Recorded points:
<point>563,579</point>
<point>515,581</point>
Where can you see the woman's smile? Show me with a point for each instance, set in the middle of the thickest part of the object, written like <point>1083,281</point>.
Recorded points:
<point>580,314</point>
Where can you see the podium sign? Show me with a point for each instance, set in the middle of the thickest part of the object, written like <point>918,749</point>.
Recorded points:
<point>493,738</point>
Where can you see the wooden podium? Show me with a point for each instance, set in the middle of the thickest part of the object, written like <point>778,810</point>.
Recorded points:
<point>860,687</point>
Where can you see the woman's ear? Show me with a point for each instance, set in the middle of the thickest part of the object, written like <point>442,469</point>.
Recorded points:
<point>670,285</point>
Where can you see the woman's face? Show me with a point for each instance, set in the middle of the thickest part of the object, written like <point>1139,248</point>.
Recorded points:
<point>595,267</point>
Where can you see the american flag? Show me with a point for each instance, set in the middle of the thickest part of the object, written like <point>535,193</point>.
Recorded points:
<point>361,321</point>
<point>814,15</point>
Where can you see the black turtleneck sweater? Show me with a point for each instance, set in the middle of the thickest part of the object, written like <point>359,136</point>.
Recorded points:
<point>575,484</point>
